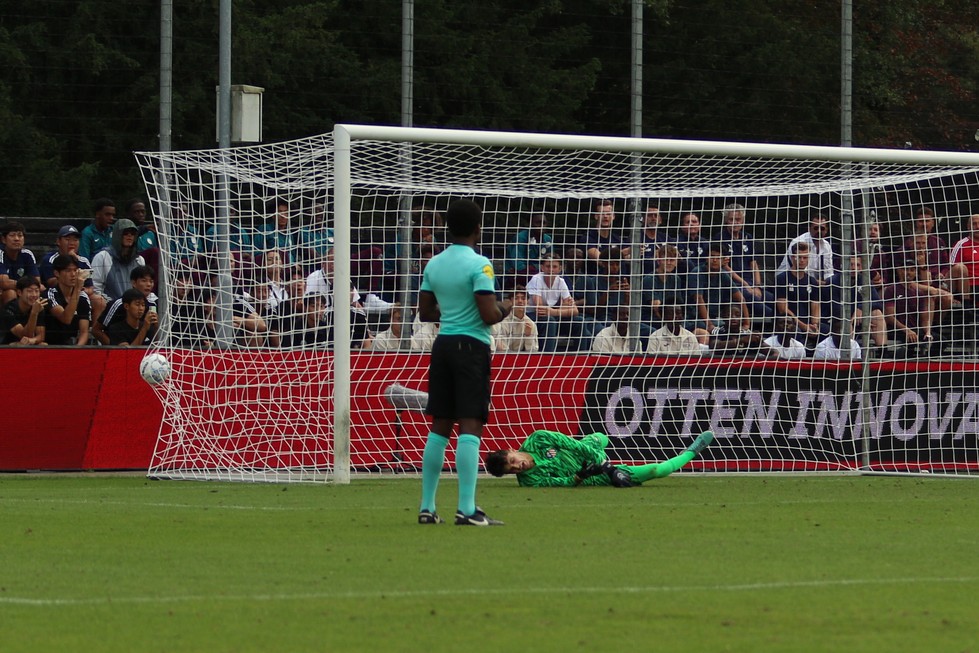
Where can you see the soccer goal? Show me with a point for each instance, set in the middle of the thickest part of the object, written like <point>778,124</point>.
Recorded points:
<point>810,305</point>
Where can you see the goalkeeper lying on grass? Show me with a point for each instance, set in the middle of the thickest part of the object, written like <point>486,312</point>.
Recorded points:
<point>552,459</point>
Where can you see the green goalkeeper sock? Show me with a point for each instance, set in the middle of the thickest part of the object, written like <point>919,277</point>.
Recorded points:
<point>432,460</point>
<point>467,467</point>
<point>643,473</point>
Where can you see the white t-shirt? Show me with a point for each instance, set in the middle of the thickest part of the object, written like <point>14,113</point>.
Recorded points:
<point>386,341</point>
<point>820,264</point>
<point>511,334</point>
<point>552,295</point>
<point>663,341</point>
<point>795,349</point>
<point>826,349</point>
<point>423,335</point>
<point>318,284</point>
<point>608,341</point>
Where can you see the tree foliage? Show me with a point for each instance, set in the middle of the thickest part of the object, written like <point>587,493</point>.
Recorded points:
<point>79,79</point>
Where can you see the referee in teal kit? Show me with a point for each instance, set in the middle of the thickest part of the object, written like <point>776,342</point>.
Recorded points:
<point>458,291</point>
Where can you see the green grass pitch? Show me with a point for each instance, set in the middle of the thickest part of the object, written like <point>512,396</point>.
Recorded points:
<point>687,563</point>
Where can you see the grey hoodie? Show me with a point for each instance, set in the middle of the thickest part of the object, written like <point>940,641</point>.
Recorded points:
<point>111,267</point>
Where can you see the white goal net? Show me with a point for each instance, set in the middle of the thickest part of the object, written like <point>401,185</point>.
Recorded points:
<point>811,306</point>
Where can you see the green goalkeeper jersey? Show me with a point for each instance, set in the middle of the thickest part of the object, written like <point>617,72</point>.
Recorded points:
<point>558,457</point>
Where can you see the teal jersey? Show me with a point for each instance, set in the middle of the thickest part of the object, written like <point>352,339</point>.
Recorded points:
<point>454,276</point>
<point>558,457</point>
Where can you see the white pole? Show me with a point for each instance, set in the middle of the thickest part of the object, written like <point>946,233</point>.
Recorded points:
<point>341,307</point>
<point>661,145</point>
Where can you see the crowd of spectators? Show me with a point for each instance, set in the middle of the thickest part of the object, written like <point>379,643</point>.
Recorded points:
<point>668,288</point>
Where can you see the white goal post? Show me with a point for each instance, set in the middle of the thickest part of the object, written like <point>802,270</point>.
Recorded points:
<point>279,404</point>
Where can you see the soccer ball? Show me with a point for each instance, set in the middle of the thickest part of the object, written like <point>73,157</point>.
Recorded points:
<point>154,369</point>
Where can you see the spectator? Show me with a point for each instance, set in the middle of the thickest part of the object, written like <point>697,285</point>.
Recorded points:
<point>517,332</point>
<point>692,247</point>
<point>67,243</point>
<point>738,246</point>
<point>664,286</point>
<point>798,295</point>
<point>581,284</point>
<point>830,348</point>
<point>672,337</point>
<point>290,319</point>
<point>602,235</point>
<point>187,240</point>
<point>135,211</point>
<point>964,261</point>
<point>315,237</point>
<point>423,334</point>
<point>22,320</point>
<point>583,287</point>
<point>69,311</point>
<point>715,288</point>
<point>191,317</point>
<point>878,329</point>
<point>148,236</point>
<point>873,246</point>
<point>277,233</point>
<point>390,339</point>
<point>250,329</point>
<point>653,237</point>
<point>932,275</point>
<point>15,261</point>
<point>98,235</point>
<point>613,285</point>
<point>319,285</point>
<point>782,344</point>
<point>318,332</point>
<point>552,306</point>
<point>138,325</point>
<point>614,339</point>
<point>732,336</point>
<point>367,274</point>
<point>320,282</point>
<point>259,299</point>
<point>924,239</point>
<point>820,250</point>
<point>427,228</point>
<point>273,279</point>
<point>112,266</point>
<point>426,251</point>
<point>141,279</point>
<point>527,250</point>
<point>907,309</point>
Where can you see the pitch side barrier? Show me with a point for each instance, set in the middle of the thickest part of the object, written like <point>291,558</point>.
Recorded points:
<point>766,415</point>
<point>780,415</point>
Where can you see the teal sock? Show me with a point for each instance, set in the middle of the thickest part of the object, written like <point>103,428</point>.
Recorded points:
<point>467,467</point>
<point>648,472</point>
<point>432,461</point>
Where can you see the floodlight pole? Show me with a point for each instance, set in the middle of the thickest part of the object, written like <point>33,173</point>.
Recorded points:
<point>404,152</point>
<point>166,127</point>
<point>637,209</point>
<point>166,74</point>
<point>223,306</point>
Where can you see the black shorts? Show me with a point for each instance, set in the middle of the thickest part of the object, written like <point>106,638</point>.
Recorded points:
<point>459,378</point>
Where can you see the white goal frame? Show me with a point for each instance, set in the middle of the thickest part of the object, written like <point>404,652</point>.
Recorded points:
<point>357,164</point>
<point>346,134</point>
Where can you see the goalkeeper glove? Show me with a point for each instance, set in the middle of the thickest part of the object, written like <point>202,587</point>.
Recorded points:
<point>590,469</point>
<point>618,477</point>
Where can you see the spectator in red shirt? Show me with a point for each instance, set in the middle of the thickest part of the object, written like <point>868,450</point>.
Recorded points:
<point>964,262</point>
